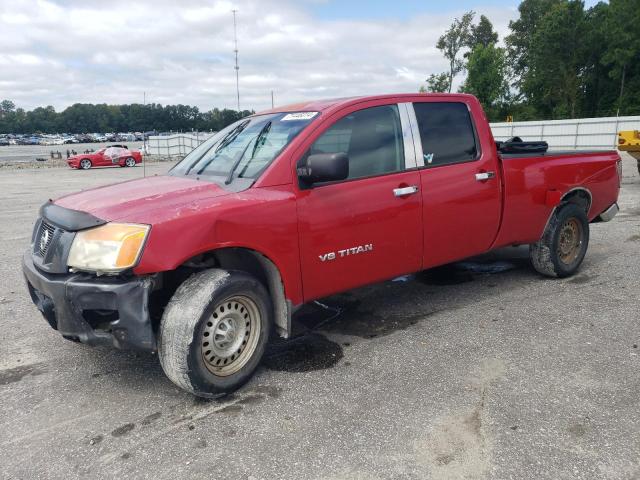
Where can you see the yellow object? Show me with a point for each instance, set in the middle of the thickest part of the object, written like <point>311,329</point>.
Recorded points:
<point>629,141</point>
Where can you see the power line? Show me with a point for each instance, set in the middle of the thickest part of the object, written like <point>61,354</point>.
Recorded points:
<point>235,41</point>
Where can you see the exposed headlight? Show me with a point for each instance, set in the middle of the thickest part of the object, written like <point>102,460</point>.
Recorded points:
<point>110,248</point>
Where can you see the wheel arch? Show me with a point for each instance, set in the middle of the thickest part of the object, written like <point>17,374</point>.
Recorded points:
<point>254,263</point>
<point>580,196</point>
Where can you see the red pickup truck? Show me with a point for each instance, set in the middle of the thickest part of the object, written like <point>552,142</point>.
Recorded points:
<point>294,204</point>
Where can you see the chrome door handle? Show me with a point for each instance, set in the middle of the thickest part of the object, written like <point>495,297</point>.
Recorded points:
<point>481,177</point>
<point>401,192</point>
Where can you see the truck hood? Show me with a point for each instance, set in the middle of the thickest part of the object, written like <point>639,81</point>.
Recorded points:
<point>130,199</point>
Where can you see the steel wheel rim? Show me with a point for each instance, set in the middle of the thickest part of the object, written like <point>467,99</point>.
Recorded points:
<point>85,164</point>
<point>230,335</point>
<point>570,241</point>
<point>130,162</point>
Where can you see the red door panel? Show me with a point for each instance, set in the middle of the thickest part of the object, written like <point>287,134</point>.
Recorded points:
<point>358,232</point>
<point>101,160</point>
<point>461,214</point>
<point>461,189</point>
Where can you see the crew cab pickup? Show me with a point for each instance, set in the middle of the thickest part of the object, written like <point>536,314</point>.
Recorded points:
<point>294,204</point>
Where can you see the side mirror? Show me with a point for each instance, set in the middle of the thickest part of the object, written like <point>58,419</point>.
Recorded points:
<point>324,167</point>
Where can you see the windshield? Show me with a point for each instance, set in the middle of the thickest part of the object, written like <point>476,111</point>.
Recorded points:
<point>245,148</point>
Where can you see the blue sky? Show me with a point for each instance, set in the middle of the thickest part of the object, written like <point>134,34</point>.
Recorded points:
<point>376,9</point>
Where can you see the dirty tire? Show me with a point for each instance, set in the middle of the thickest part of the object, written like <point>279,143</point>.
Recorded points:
<point>545,255</point>
<point>186,320</point>
<point>85,164</point>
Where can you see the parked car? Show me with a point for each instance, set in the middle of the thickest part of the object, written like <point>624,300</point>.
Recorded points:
<point>111,156</point>
<point>295,204</point>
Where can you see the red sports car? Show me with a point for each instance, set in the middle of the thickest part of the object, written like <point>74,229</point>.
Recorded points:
<point>110,156</point>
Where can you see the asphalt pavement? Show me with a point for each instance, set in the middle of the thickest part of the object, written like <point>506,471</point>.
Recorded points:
<point>483,369</point>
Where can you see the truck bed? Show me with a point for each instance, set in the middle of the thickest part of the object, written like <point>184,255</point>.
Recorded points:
<point>530,182</point>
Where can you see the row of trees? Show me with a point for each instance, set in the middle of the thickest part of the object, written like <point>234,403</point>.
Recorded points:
<point>560,60</point>
<point>87,118</point>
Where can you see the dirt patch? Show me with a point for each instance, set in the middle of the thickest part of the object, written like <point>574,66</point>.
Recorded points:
<point>12,375</point>
<point>123,430</point>
<point>303,354</point>
<point>149,419</point>
<point>457,446</point>
<point>345,316</point>
<point>581,279</point>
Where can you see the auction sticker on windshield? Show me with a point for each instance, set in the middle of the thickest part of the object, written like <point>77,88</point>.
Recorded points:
<point>298,116</point>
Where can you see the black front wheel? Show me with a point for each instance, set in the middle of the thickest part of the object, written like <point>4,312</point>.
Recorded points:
<point>214,332</point>
<point>561,250</point>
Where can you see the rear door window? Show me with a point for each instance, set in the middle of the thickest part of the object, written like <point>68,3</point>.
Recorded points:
<point>446,132</point>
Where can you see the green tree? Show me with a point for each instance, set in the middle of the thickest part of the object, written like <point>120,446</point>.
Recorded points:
<point>90,118</point>
<point>522,31</point>
<point>623,42</point>
<point>436,83</point>
<point>557,59</point>
<point>482,34</point>
<point>7,107</point>
<point>486,77</point>
<point>599,88</point>
<point>453,41</point>
<point>7,114</point>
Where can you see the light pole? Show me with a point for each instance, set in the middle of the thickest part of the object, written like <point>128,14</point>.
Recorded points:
<point>235,41</point>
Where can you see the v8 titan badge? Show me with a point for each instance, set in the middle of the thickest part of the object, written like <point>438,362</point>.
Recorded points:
<point>346,252</point>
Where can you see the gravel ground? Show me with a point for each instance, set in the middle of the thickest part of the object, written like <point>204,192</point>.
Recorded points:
<point>480,370</point>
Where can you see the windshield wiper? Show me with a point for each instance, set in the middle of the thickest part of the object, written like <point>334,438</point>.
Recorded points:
<point>226,140</point>
<point>256,142</point>
<point>232,135</point>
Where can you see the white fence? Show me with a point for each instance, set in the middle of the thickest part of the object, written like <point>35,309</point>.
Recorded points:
<point>582,133</point>
<point>177,145</point>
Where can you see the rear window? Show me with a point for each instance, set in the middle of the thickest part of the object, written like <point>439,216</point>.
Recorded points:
<point>446,132</point>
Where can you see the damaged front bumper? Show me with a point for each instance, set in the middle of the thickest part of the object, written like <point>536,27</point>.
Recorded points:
<point>94,310</point>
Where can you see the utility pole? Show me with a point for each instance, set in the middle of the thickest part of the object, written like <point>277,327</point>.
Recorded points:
<point>235,41</point>
<point>271,98</point>
<point>144,136</point>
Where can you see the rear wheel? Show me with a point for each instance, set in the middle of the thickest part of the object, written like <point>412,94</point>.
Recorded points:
<point>561,250</point>
<point>214,332</point>
<point>130,162</point>
<point>85,164</point>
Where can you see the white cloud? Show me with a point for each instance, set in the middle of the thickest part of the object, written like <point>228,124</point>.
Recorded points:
<point>67,51</point>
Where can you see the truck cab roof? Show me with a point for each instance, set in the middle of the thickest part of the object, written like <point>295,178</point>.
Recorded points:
<point>337,103</point>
